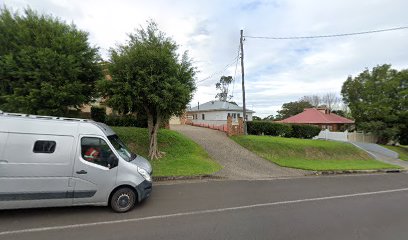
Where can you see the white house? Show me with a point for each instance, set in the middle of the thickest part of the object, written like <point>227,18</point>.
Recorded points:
<point>216,112</point>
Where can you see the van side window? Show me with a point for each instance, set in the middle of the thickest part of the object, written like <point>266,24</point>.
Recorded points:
<point>96,150</point>
<point>42,146</point>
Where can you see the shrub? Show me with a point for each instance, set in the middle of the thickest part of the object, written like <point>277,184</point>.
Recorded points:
<point>304,131</point>
<point>269,128</point>
<point>282,130</point>
<point>98,114</point>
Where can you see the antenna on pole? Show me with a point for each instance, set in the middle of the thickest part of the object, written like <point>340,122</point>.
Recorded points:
<point>243,82</point>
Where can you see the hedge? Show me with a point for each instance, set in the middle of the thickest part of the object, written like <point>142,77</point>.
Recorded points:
<point>282,130</point>
<point>304,131</point>
<point>268,128</point>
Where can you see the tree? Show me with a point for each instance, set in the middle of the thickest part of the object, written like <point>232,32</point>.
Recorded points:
<point>222,86</point>
<point>378,101</point>
<point>256,118</point>
<point>148,76</point>
<point>314,100</point>
<point>269,118</point>
<point>292,108</point>
<point>331,100</point>
<point>46,66</point>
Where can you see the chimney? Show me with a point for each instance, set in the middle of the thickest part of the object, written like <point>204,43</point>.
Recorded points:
<point>323,110</point>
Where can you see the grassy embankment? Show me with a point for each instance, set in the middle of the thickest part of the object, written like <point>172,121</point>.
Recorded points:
<point>401,150</point>
<point>183,156</point>
<point>308,154</point>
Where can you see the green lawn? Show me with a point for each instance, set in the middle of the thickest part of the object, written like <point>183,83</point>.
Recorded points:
<point>401,150</point>
<point>183,156</point>
<point>308,154</point>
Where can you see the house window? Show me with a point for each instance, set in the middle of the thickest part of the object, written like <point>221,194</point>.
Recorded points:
<point>44,146</point>
<point>234,115</point>
<point>239,115</point>
<point>203,116</point>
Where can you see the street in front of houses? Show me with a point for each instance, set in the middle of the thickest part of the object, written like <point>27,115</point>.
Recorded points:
<point>330,207</point>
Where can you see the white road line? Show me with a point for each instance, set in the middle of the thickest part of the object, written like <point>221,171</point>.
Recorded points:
<point>33,230</point>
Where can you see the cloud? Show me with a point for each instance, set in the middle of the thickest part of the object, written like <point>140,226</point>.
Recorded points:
<point>276,71</point>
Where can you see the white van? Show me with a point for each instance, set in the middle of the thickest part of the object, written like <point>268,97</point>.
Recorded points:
<point>51,161</point>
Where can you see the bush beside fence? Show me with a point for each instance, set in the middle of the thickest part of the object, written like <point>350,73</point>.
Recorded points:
<point>282,130</point>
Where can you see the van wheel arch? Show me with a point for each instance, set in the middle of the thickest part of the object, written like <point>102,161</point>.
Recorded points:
<point>122,187</point>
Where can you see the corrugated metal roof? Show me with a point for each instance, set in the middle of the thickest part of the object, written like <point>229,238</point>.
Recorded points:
<point>313,115</point>
<point>218,106</point>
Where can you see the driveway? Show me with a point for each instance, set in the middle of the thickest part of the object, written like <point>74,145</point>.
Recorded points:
<point>382,154</point>
<point>238,162</point>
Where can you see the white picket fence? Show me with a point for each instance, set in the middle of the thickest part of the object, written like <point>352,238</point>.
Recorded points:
<point>347,136</point>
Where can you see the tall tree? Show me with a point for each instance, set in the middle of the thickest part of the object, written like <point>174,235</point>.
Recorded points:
<point>292,108</point>
<point>46,65</point>
<point>378,100</point>
<point>331,100</point>
<point>149,77</point>
<point>314,100</point>
<point>223,86</point>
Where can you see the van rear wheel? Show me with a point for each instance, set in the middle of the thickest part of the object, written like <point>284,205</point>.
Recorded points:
<point>123,200</point>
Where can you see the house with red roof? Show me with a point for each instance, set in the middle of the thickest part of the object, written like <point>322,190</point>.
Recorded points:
<point>321,117</point>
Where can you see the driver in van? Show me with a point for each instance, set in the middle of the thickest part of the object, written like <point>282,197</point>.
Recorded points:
<point>91,154</point>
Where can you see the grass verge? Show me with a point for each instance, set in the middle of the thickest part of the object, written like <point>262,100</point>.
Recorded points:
<point>308,154</point>
<point>183,156</point>
<point>401,150</point>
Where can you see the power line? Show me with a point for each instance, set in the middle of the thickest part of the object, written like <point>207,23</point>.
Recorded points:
<point>235,72</point>
<point>331,35</point>
<point>218,72</point>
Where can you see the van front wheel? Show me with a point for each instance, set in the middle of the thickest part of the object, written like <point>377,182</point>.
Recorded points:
<point>123,200</point>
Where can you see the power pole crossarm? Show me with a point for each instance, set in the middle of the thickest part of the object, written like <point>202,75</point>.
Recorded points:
<point>243,82</point>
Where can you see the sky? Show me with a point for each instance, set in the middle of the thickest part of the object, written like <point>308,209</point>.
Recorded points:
<point>276,71</point>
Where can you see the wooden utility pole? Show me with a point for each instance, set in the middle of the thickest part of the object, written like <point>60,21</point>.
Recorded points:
<point>243,82</point>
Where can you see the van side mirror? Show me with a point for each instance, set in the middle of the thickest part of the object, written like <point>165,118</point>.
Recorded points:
<point>112,161</point>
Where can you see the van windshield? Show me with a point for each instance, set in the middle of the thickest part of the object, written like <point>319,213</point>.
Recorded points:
<point>121,148</point>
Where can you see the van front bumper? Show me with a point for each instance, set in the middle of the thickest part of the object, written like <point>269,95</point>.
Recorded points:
<point>144,190</point>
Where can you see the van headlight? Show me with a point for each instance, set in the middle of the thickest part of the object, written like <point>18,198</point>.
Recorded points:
<point>144,174</point>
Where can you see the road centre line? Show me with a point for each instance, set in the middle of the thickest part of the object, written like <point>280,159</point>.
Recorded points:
<point>83,225</point>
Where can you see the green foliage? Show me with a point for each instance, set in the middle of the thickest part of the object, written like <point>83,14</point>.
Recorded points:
<point>46,66</point>
<point>269,128</point>
<point>282,129</point>
<point>269,118</point>
<point>378,100</point>
<point>126,121</point>
<point>304,131</point>
<point>292,108</point>
<point>183,156</point>
<point>309,154</point>
<point>256,118</point>
<point>222,86</point>
<point>98,114</point>
<point>149,76</point>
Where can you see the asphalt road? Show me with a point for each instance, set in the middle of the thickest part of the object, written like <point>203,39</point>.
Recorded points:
<point>333,207</point>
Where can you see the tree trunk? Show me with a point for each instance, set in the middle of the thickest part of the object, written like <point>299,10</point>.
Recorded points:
<point>153,127</point>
